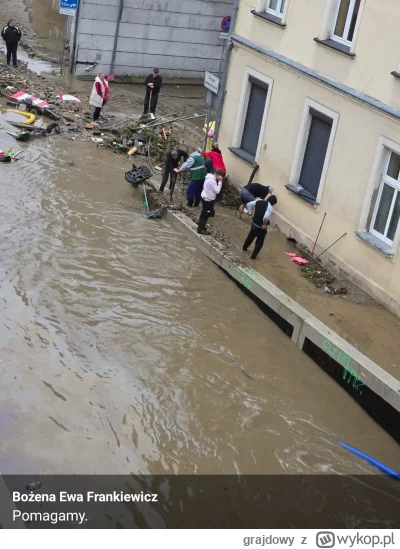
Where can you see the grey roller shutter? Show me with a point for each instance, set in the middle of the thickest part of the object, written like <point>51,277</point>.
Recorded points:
<point>254,116</point>
<point>315,154</point>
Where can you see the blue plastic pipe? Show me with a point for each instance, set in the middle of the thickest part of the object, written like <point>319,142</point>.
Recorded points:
<point>371,460</point>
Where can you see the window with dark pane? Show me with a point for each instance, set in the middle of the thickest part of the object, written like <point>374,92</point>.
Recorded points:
<point>315,153</point>
<point>254,117</point>
<point>394,166</point>
<point>385,205</point>
<point>395,218</point>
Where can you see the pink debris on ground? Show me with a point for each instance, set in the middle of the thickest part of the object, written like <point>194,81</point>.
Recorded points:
<point>299,260</point>
<point>290,254</point>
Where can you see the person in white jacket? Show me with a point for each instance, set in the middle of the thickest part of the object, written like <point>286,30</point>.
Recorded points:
<point>212,187</point>
<point>99,96</point>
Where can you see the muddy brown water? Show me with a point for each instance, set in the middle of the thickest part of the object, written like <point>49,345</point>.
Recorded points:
<point>122,347</point>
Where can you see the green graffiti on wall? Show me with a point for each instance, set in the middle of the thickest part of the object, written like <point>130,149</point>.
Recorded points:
<point>245,280</point>
<point>345,360</point>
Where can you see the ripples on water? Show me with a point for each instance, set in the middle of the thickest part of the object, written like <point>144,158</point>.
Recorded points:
<point>144,341</point>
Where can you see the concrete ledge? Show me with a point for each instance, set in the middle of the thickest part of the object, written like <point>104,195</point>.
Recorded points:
<point>303,328</point>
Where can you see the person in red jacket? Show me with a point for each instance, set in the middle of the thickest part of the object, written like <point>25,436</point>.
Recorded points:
<point>214,160</point>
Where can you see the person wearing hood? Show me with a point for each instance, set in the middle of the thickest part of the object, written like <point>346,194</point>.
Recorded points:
<point>212,187</point>
<point>214,160</point>
<point>195,165</point>
<point>99,96</point>
<point>261,211</point>
<point>11,35</point>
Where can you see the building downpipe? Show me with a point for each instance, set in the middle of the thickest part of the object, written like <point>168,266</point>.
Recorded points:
<point>114,53</point>
<point>73,51</point>
<point>228,48</point>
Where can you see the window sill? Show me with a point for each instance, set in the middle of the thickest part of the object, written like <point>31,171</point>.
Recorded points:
<point>395,74</point>
<point>333,45</point>
<point>243,155</point>
<point>269,17</point>
<point>375,243</point>
<point>303,195</point>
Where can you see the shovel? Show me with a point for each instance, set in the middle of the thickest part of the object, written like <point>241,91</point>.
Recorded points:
<point>153,214</point>
<point>151,114</point>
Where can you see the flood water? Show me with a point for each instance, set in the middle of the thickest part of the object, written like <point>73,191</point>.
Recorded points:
<point>122,347</point>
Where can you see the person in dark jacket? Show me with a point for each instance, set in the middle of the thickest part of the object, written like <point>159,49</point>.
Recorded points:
<point>153,86</point>
<point>252,191</point>
<point>261,211</point>
<point>11,35</point>
<point>172,159</point>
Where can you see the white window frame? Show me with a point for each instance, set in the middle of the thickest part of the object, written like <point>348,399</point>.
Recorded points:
<point>263,6</point>
<point>375,181</point>
<point>385,180</point>
<point>329,22</point>
<point>242,110</point>
<point>302,139</point>
<point>347,24</point>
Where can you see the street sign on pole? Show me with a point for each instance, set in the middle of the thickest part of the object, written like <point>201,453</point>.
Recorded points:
<point>224,35</point>
<point>226,23</point>
<point>211,82</point>
<point>68,7</point>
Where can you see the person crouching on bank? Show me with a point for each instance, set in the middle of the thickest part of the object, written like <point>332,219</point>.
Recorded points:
<point>212,187</point>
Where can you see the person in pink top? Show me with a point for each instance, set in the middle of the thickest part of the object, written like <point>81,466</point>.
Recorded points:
<point>212,187</point>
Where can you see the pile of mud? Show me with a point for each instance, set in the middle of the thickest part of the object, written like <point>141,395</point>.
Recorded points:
<point>159,200</point>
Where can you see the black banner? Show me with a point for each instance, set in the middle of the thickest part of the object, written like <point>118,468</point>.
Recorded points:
<point>200,502</point>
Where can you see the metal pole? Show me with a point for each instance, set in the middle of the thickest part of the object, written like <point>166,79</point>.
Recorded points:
<point>316,240</point>
<point>114,52</point>
<point>64,44</point>
<point>343,235</point>
<point>227,52</point>
<point>207,126</point>
<point>177,120</point>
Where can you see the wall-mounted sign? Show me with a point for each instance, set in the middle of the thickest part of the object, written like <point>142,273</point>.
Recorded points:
<point>224,35</point>
<point>226,23</point>
<point>211,82</point>
<point>68,7</point>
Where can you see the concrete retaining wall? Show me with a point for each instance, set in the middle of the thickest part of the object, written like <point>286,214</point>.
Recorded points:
<point>356,370</point>
<point>181,37</point>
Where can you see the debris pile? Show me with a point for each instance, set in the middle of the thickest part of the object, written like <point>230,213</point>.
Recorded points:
<point>316,272</point>
<point>158,200</point>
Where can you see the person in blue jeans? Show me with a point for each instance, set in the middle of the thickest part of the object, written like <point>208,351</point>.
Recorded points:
<point>195,165</point>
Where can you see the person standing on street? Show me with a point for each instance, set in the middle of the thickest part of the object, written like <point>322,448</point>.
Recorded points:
<point>11,35</point>
<point>212,187</point>
<point>195,165</point>
<point>99,96</point>
<point>172,159</point>
<point>261,212</point>
<point>252,191</point>
<point>153,86</point>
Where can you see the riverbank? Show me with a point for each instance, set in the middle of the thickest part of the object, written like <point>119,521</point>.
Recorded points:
<point>20,11</point>
<point>377,392</point>
<point>355,316</point>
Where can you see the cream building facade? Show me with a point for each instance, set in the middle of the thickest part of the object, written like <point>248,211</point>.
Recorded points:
<point>313,98</point>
